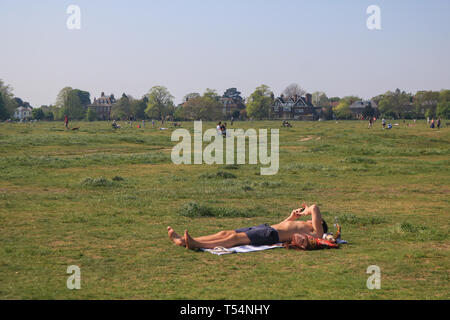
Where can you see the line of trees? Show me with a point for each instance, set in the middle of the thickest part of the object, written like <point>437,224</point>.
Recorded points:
<point>7,102</point>
<point>158,103</point>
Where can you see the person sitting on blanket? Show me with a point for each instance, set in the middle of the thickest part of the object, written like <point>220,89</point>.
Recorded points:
<point>260,235</point>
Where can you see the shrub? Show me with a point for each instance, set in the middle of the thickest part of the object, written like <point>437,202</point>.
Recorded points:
<point>96,182</point>
<point>219,174</point>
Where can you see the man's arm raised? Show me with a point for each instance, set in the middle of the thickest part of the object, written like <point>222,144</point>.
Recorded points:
<point>314,211</point>
<point>295,214</point>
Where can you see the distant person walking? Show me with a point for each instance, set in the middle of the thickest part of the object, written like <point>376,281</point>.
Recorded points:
<point>370,123</point>
<point>438,123</point>
<point>383,123</point>
<point>66,121</point>
<point>219,128</point>
<point>153,123</point>
<point>224,130</point>
<point>432,124</point>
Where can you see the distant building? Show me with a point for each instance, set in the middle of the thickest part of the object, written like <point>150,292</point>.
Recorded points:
<point>357,107</point>
<point>232,101</point>
<point>295,108</point>
<point>22,113</point>
<point>103,106</point>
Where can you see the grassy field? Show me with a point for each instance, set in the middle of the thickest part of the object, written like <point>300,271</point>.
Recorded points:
<point>102,199</point>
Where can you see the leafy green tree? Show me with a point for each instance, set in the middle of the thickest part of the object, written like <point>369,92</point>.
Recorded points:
<point>85,97</point>
<point>7,104</point>
<point>57,112</point>
<point>211,94</point>
<point>260,102</point>
<point>121,109</point>
<point>342,110</point>
<point>62,96</point>
<point>444,96</point>
<point>207,107</point>
<point>191,96</point>
<point>392,104</point>
<point>73,107</point>
<point>91,115</point>
<point>72,102</point>
<point>443,110</point>
<point>425,102</point>
<point>37,114</point>
<point>179,114</point>
<point>320,99</point>
<point>160,103</point>
<point>48,115</point>
<point>137,108</point>
<point>334,99</point>
<point>443,107</point>
<point>3,112</point>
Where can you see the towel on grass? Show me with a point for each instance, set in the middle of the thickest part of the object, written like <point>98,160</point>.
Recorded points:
<point>248,248</point>
<point>241,249</point>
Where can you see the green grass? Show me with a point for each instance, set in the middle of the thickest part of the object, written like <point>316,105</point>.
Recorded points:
<point>102,199</point>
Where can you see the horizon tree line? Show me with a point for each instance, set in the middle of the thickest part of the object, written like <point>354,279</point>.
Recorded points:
<point>158,103</point>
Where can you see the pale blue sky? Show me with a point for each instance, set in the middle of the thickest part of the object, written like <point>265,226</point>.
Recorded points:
<point>190,45</point>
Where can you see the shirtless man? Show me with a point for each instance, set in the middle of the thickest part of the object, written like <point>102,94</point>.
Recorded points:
<point>260,235</point>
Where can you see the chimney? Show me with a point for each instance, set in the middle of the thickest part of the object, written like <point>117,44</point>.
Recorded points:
<point>308,98</point>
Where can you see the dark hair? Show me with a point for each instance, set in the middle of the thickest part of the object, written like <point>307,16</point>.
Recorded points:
<point>324,226</point>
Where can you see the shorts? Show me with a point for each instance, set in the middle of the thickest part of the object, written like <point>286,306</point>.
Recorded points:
<point>261,235</point>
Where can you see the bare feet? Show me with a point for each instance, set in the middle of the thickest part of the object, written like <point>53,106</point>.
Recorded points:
<point>179,241</point>
<point>190,243</point>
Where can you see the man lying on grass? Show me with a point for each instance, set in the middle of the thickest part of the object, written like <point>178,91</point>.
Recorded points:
<point>260,235</point>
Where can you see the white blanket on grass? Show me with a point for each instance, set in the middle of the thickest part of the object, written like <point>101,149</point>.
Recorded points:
<point>243,249</point>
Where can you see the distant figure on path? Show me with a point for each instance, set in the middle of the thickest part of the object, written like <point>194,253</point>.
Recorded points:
<point>370,123</point>
<point>232,119</point>
<point>66,121</point>
<point>153,123</point>
<point>383,123</point>
<point>224,130</point>
<point>219,128</point>
<point>438,123</point>
<point>432,124</point>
